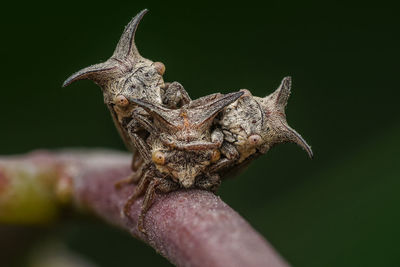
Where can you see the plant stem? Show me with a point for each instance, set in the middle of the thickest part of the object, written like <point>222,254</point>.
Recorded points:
<point>188,227</point>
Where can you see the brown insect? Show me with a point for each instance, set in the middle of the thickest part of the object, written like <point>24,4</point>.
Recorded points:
<point>252,125</point>
<point>176,142</point>
<point>126,75</point>
<point>179,149</point>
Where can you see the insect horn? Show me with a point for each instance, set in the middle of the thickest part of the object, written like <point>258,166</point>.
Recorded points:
<point>164,115</point>
<point>123,58</point>
<point>204,114</point>
<point>279,100</point>
<point>126,47</point>
<point>199,116</point>
<point>292,136</point>
<point>281,95</point>
<point>99,73</point>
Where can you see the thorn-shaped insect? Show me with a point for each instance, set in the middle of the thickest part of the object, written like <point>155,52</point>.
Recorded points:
<point>126,75</point>
<point>252,125</point>
<point>179,142</point>
<point>180,147</point>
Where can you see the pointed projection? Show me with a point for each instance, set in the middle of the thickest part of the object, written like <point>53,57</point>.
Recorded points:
<point>197,118</point>
<point>126,47</point>
<point>279,100</point>
<point>123,59</point>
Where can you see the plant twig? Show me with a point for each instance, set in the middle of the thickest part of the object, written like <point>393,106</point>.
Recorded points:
<point>188,227</point>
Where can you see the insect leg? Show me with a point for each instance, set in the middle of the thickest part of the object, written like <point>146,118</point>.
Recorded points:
<point>143,121</point>
<point>166,186</point>
<point>139,190</point>
<point>159,184</point>
<point>229,151</point>
<point>221,165</point>
<point>209,182</point>
<point>136,162</point>
<point>217,136</point>
<point>231,155</point>
<point>185,98</point>
<point>134,177</point>
<point>175,95</point>
<point>138,142</point>
<point>141,146</point>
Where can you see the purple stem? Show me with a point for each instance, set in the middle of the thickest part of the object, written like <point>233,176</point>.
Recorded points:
<point>188,227</point>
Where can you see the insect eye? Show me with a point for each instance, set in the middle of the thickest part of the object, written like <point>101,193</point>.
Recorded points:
<point>160,67</point>
<point>254,139</point>
<point>215,156</point>
<point>121,101</point>
<point>158,157</point>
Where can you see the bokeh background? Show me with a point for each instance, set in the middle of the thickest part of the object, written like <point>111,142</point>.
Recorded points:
<point>340,209</point>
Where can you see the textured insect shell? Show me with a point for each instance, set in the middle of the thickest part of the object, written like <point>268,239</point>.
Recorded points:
<point>184,136</point>
<point>241,119</point>
<point>125,73</point>
<point>182,166</point>
<point>143,83</point>
<point>264,117</point>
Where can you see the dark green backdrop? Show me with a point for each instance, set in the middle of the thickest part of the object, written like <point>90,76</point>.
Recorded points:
<point>340,209</point>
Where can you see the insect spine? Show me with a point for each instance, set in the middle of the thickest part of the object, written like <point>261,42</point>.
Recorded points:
<point>125,76</point>
<point>252,125</point>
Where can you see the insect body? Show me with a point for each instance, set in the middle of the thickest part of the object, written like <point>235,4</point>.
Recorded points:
<point>180,147</point>
<point>177,142</point>
<point>126,75</point>
<point>252,125</point>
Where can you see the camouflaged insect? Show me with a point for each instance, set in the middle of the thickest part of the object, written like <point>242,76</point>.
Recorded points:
<point>180,148</point>
<point>179,142</point>
<point>126,75</point>
<point>252,125</point>
<point>247,128</point>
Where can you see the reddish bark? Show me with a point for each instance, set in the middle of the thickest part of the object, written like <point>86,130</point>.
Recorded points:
<point>188,227</point>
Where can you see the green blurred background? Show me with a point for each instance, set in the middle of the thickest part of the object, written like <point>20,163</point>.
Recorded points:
<point>340,209</point>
